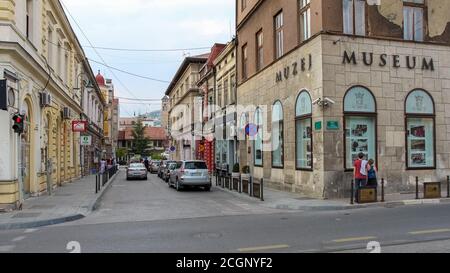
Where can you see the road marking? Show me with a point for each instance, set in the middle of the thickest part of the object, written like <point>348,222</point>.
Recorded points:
<point>260,248</point>
<point>6,248</point>
<point>354,239</point>
<point>30,230</point>
<point>429,231</point>
<point>18,239</point>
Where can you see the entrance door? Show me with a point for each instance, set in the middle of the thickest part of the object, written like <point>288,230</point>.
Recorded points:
<point>25,140</point>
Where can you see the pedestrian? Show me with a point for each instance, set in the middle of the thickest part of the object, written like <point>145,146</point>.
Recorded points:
<point>146,163</point>
<point>102,166</point>
<point>360,173</point>
<point>372,174</point>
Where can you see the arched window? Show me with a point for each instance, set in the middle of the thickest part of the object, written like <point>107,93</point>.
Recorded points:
<point>243,122</point>
<point>277,135</point>
<point>258,142</point>
<point>360,113</point>
<point>303,131</point>
<point>420,126</point>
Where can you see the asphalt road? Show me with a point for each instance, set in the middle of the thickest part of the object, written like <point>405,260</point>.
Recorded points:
<point>147,216</point>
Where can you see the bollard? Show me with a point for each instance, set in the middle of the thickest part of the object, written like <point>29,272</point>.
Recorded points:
<point>382,190</point>
<point>352,192</point>
<point>250,186</point>
<point>96,184</point>
<point>261,188</point>
<point>217,179</point>
<point>417,188</point>
<point>448,186</point>
<point>240,184</point>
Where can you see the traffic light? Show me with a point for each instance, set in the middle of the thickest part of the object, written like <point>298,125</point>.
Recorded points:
<point>18,123</point>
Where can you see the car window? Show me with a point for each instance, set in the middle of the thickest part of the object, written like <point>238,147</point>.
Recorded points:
<point>195,166</point>
<point>136,166</point>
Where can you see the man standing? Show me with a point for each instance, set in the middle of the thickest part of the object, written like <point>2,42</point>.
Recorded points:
<point>360,173</point>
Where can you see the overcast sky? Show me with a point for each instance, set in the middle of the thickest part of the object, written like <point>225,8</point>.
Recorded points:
<point>149,24</point>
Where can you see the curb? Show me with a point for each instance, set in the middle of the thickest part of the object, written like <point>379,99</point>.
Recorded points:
<point>55,221</point>
<point>391,204</point>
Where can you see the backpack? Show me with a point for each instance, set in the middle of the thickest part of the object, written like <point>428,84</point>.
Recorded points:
<point>372,174</point>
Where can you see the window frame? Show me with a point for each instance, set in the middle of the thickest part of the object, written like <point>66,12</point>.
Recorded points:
<point>424,116</point>
<point>373,115</point>
<point>259,50</point>
<point>281,123</point>
<point>302,118</point>
<point>244,60</point>
<point>276,31</point>
<point>303,10</point>
<point>354,19</point>
<point>424,8</point>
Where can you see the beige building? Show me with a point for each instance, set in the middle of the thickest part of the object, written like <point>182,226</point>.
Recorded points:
<point>41,61</point>
<point>184,98</point>
<point>332,79</point>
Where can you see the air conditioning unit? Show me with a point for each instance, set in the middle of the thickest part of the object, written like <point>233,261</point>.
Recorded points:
<point>45,99</point>
<point>67,113</point>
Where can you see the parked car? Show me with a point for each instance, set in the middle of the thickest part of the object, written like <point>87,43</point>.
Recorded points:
<point>163,168</point>
<point>192,173</point>
<point>171,166</point>
<point>136,170</point>
<point>154,166</point>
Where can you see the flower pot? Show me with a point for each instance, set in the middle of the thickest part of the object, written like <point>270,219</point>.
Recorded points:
<point>245,176</point>
<point>235,175</point>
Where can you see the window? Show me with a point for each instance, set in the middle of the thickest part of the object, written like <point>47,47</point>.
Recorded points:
<point>29,19</point>
<point>413,17</point>
<point>305,20</point>
<point>277,135</point>
<point>360,125</point>
<point>243,4</point>
<point>242,125</point>
<point>225,92</point>
<point>258,141</point>
<point>420,124</point>
<point>233,88</point>
<point>354,17</point>
<point>219,95</point>
<point>303,131</point>
<point>244,62</point>
<point>279,36</point>
<point>50,46</point>
<point>259,50</point>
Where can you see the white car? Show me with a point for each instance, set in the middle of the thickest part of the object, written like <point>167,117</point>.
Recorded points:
<point>137,170</point>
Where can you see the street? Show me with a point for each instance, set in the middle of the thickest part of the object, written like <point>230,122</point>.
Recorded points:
<point>148,216</point>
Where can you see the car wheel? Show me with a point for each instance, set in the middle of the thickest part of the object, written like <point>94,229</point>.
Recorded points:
<point>178,187</point>
<point>208,188</point>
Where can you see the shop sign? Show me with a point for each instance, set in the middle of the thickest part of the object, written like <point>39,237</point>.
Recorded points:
<point>333,125</point>
<point>410,62</point>
<point>79,126</point>
<point>318,126</point>
<point>294,69</point>
<point>86,140</point>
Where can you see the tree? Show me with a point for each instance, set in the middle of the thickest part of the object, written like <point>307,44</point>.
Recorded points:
<point>141,142</point>
<point>121,152</point>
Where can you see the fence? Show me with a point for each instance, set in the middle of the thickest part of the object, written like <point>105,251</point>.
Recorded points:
<point>245,184</point>
<point>101,179</point>
<point>431,190</point>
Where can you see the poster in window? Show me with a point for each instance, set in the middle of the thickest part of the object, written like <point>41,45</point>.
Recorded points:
<point>418,159</point>
<point>420,142</point>
<point>360,138</point>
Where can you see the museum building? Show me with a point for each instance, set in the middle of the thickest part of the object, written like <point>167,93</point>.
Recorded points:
<point>332,79</point>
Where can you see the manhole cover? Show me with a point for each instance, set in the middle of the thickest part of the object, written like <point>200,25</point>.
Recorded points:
<point>26,215</point>
<point>208,235</point>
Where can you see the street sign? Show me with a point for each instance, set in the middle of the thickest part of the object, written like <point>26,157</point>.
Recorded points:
<point>173,149</point>
<point>79,126</point>
<point>251,130</point>
<point>86,140</point>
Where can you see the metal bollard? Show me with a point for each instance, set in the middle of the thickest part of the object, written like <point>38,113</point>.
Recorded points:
<point>417,188</point>
<point>448,186</point>
<point>250,182</point>
<point>217,179</point>
<point>382,190</point>
<point>261,188</point>
<point>96,184</point>
<point>240,184</point>
<point>352,192</point>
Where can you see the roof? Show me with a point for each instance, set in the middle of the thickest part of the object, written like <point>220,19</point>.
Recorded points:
<point>152,133</point>
<point>200,59</point>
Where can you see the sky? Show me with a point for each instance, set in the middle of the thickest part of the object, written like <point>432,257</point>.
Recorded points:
<point>148,24</point>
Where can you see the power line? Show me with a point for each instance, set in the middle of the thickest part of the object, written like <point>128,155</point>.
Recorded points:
<point>147,50</point>
<point>122,98</point>
<point>129,73</point>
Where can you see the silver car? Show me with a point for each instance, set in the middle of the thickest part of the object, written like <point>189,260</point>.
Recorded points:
<point>136,170</point>
<point>193,173</point>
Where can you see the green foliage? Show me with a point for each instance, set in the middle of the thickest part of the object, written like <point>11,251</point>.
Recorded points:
<point>246,169</point>
<point>121,152</point>
<point>236,168</point>
<point>140,141</point>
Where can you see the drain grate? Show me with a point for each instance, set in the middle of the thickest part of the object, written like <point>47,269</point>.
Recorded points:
<point>26,215</point>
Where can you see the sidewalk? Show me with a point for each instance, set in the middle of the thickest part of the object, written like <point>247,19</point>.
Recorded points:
<point>70,202</point>
<point>291,201</point>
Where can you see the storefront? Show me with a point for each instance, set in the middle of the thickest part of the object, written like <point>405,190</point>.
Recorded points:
<point>322,104</point>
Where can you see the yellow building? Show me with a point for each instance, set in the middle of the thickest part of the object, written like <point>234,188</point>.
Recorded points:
<point>42,61</point>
